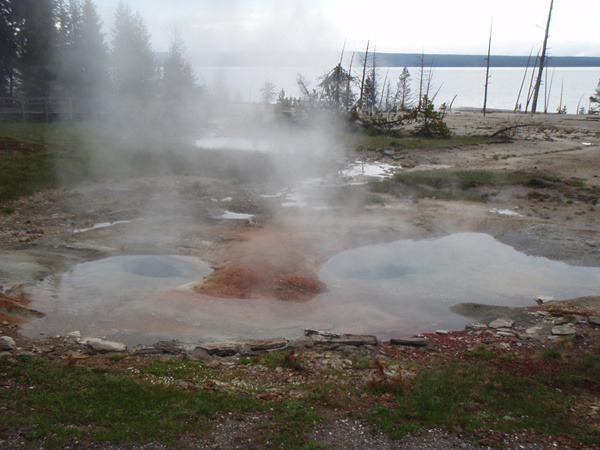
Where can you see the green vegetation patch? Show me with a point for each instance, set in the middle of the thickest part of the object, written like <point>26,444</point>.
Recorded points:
<point>472,396</point>
<point>58,403</point>
<point>457,184</point>
<point>54,404</point>
<point>411,142</point>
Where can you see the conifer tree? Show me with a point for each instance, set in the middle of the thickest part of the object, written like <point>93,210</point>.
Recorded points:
<point>403,98</point>
<point>35,42</point>
<point>178,79</point>
<point>8,49</point>
<point>132,62</point>
<point>93,53</point>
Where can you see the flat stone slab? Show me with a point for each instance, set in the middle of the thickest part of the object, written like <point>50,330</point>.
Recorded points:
<point>594,320</point>
<point>101,346</point>
<point>564,330</point>
<point>503,322</point>
<point>410,342</point>
<point>355,340</point>
<point>221,348</point>
<point>261,345</point>
<point>149,351</point>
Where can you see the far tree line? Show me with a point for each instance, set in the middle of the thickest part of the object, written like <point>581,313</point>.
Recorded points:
<point>57,48</point>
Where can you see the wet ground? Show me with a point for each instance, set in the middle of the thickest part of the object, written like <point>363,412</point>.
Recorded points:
<point>278,257</point>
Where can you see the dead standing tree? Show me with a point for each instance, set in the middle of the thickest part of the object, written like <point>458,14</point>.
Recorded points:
<point>362,82</point>
<point>538,82</point>
<point>517,104</point>
<point>487,71</point>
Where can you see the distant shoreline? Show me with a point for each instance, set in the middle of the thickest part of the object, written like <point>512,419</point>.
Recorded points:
<point>282,59</point>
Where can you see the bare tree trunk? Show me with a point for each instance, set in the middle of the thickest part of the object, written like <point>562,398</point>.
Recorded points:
<point>452,102</point>
<point>383,89</point>
<point>347,99</point>
<point>374,72</point>
<point>362,83</point>
<point>338,79</point>
<point>579,103</point>
<point>562,85</point>
<point>529,91</point>
<point>487,70</point>
<point>523,81</point>
<point>421,78</point>
<point>547,97</point>
<point>538,83</point>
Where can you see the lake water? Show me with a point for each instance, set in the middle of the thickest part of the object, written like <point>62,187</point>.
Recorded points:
<point>467,84</point>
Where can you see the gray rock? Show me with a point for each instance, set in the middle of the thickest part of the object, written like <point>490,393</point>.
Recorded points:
<point>261,345</point>
<point>594,320</point>
<point>475,326</point>
<point>197,353</point>
<point>7,343</point>
<point>503,322</point>
<point>171,346</point>
<point>349,349</point>
<point>559,321</point>
<point>504,334</point>
<point>442,332</point>
<point>506,330</point>
<point>5,354</point>
<point>563,330</point>
<point>410,342</point>
<point>44,349</point>
<point>326,334</point>
<point>101,346</point>
<point>533,330</point>
<point>221,348</point>
<point>302,343</point>
<point>541,299</point>
<point>148,351</point>
<point>355,340</point>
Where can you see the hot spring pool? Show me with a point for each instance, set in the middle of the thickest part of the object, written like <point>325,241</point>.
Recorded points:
<point>394,289</point>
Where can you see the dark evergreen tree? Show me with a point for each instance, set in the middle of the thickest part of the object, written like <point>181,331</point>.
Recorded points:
<point>66,63</point>
<point>8,49</point>
<point>178,79</point>
<point>92,53</point>
<point>132,62</point>
<point>403,97</point>
<point>595,101</point>
<point>35,42</point>
<point>370,93</point>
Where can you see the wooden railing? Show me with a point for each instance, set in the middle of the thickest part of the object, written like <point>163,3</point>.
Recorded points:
<point>44,108</point>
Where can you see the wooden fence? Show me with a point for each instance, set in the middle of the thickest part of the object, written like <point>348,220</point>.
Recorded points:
<point>43,108</point>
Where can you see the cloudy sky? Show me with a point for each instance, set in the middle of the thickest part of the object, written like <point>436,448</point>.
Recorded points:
<point>432,26</point>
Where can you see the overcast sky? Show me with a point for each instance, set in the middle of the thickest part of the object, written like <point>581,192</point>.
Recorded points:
<point>412,26</point>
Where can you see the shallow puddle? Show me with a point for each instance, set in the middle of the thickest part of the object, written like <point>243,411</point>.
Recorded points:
<point>233,143</point>
<point>394,289</point>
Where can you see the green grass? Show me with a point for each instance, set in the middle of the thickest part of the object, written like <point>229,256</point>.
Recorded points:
<point>55,404</point>
<point>411,142</point>
<point>478,396</point>
<point>60,403</point>
<point>57,154</point>
<point>457,184</point>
